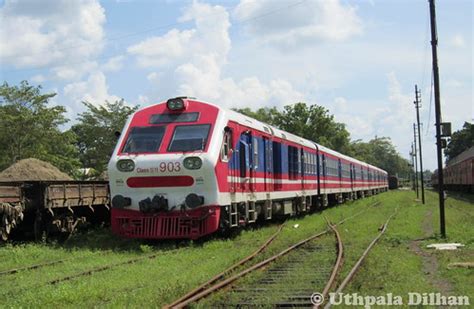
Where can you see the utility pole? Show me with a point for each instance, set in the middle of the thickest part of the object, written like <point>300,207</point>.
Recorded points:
<point>412,155</point>
<point>417,106</point>
<point>434,51</point>
<point>416,161</point>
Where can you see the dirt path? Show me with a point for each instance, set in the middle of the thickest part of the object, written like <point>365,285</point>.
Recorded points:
<point>430,262</point>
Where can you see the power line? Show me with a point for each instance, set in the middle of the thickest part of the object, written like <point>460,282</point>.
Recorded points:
<point>425,52</point>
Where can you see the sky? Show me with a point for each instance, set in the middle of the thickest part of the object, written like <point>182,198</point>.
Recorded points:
<point>359,59</point>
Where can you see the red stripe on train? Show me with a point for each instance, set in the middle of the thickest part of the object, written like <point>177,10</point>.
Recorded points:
<point>160,181</point>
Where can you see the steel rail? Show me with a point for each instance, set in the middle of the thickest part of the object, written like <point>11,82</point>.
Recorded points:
<point>102,268</point>
<point>225,272</point>
<point>36,266</point>
<point>354,269</point>
<point>337,264</point>
<point>259,265</point>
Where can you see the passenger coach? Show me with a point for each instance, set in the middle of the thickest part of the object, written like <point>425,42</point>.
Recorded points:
<point>186,168</point>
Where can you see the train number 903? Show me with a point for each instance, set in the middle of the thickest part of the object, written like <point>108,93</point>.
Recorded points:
<point>170,167</point>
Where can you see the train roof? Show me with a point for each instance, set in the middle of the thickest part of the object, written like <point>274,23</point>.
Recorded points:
<point>264,127</point>
<point>466,154</point>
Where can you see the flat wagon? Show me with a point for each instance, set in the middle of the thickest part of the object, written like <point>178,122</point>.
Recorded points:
<point>42,208</point>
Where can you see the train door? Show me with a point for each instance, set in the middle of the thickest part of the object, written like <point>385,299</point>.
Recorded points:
<point>278,162</point>
<point>339,168</point>
<point>255,162</point>
<point>302,163</point>
<point>323,171</point>
<point>351,167</point>
<point>244,162</point>
<point>232,157</point>
<point>268,164</point>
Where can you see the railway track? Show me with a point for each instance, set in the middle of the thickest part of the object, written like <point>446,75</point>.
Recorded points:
<point>303,251</point>
<point>292,281</point>
<point>216,278</point>
<point>357,265</point>
<point>224,279</point>
<point>31,267</point>
<point>152,256</point>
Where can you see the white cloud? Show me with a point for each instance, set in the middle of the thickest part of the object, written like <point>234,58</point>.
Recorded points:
<point>293,24</point>
<point>195,59</point>
<point>157,51</point>
<point>39,78</point>
<point>153,76</point>
<point>43,33</point>
<point>143,100</point>
<point>458,41</point>
<point>72,72</point>
<point>114,64</point>
<point>93,90</point>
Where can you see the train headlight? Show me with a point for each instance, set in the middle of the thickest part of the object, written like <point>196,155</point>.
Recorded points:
<point>175,104</point>
<point>193,163</point>
<point>126,165</point>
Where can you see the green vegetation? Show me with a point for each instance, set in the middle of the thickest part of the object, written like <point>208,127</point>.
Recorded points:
<point>95,132</point>
<point>460,140</point>
<point>30,128</point>
<point>399,263</point>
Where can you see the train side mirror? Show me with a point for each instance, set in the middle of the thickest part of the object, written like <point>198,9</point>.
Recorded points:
<point>117,134</point>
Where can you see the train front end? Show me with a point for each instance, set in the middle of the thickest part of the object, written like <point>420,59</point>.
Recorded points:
<point>161,174</point>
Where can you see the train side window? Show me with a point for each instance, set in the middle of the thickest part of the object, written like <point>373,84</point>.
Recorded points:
<point>255,152</point>
<point>226,145</point>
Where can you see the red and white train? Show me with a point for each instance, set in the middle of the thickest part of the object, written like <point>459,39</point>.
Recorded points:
<point>185,168</point>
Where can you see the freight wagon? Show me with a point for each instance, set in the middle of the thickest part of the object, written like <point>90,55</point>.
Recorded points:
<point>458,173</point>
<point>42,208</point>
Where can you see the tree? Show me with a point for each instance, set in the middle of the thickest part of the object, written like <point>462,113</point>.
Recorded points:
<point>311,122</point>
<point>460,141</point>
<point>380,152</point>
<point>264,114</point>
<point>95,132</point>
<point>29,128</point>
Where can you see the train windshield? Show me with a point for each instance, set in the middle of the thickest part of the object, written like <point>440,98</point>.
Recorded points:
<point>189,138</point>
<point>144,139</point>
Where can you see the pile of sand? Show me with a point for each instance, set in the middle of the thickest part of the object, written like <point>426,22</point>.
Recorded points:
<point>32,169</point>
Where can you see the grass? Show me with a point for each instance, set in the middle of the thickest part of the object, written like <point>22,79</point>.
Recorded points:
<point>392,266</point>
